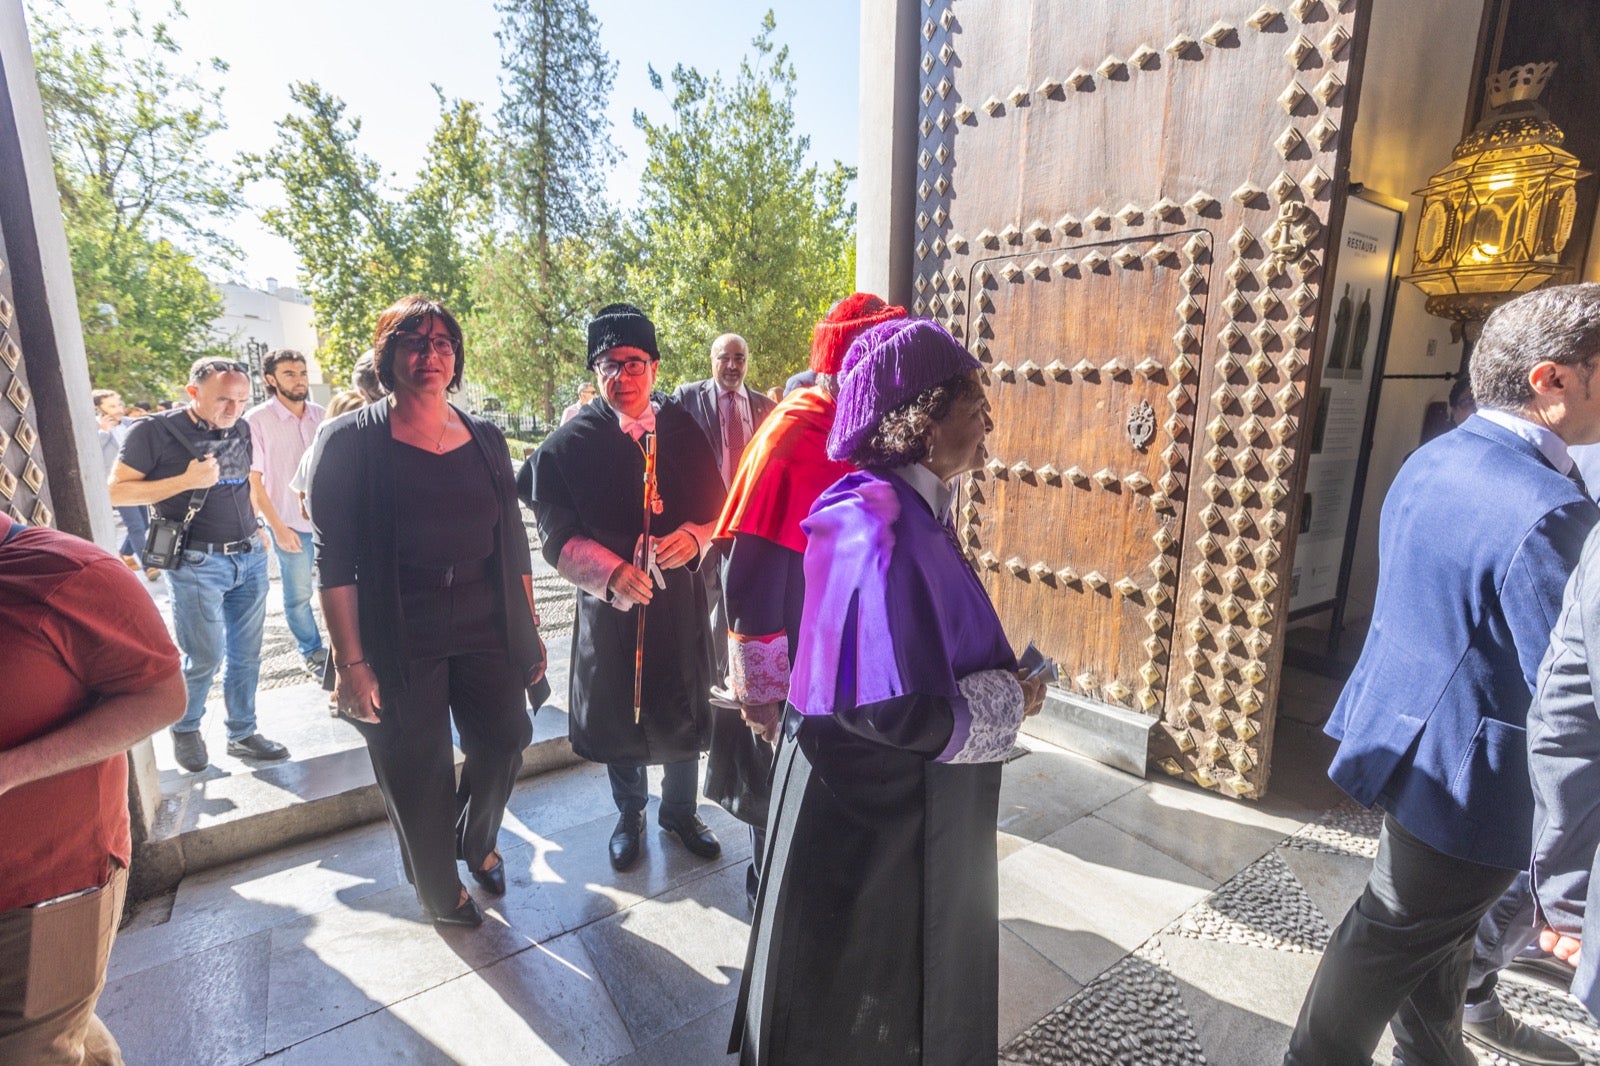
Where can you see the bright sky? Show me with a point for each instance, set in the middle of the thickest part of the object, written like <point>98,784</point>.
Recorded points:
<point>382,57</point>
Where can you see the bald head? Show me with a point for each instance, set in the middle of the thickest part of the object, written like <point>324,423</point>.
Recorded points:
<point>729,357</point>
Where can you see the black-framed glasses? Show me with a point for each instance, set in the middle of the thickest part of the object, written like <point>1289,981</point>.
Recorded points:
<point>200,371</point>
<point>612,368</point>
<point>414,344</point>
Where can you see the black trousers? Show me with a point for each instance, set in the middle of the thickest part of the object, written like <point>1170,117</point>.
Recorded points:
<point>457,668</point>
<point>1401,954</point>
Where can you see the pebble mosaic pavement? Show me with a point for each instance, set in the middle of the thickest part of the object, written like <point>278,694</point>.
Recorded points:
<point>1134,1014</point>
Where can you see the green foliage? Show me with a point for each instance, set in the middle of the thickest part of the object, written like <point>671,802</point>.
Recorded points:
<point>735,232</point>
<point>526,339</point>
<point>534,287</point>
<point>141,190</point>
<point>362,246</point>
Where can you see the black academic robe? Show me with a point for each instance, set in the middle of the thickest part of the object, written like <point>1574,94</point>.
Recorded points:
<point>875,939</point>
<point>588,480</point>
<point>764,588</point>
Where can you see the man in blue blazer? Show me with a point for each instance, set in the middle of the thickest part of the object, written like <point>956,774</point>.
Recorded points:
<point>1478,535</point>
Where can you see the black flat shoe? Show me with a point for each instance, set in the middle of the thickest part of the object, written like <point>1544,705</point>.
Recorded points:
<point>467,915</point>
<point>695,834</point>
<point>627,841</point>
<point>493,879</point>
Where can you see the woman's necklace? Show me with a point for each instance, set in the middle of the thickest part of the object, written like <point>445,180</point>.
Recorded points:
<point>438,444</point>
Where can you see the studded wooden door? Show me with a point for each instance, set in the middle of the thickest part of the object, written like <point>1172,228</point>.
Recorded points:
<point>23,490</point>
<point>1122,210</point>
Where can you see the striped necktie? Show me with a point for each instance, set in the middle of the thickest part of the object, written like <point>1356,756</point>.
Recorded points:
<point>733,437</point>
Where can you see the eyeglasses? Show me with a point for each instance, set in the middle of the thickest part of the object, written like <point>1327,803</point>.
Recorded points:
<point>200,371</point>
<point>413,344</point>
<point>633,368</point>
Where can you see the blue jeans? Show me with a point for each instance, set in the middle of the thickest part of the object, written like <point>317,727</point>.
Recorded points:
<point>137,522</point>
<point>295,568</point>
<point>630,788</point>
<point>219,605</point>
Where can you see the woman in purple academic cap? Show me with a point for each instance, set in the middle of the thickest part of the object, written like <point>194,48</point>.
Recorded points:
<point>875,938</point>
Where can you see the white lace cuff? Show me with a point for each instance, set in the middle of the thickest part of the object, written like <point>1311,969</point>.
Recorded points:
<point>589,565</point>
<point>758,668</point>
<point>988,727</point>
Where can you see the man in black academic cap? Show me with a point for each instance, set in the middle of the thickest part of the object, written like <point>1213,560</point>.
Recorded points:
<point>588,498</point>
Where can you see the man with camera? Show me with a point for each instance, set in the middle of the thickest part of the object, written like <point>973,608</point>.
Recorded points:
<point>192,466</point>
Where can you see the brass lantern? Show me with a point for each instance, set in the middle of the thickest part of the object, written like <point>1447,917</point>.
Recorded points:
<point>1494,222</point>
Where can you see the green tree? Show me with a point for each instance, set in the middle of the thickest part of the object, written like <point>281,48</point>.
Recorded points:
<point>362,245</point>
<point>534,287</point>
<point>736,233</point>
<point>131,128</point>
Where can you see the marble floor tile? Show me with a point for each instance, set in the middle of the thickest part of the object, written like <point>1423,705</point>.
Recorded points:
<point>542,1005</point>
<point>1209,832</point>
<point>335,966</point>
<point>1242,1000</point>
<point>563,882</point>
<point>263,892</point>
<point>208,1007</point>
<point>703,1042</point>
<point>558,801</point>
<point>676,957</point>
<point>1031,986</point>
<point>1334,882</point>
<point>1088,894</point>
<point>1048,788</point>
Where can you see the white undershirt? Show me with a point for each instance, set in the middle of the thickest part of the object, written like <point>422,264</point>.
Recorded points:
<point>1552,447</point>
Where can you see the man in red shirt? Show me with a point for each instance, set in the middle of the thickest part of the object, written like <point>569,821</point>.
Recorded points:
<point>89,671</point>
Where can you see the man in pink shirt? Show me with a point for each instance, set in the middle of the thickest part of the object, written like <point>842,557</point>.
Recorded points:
<point>281,430</point>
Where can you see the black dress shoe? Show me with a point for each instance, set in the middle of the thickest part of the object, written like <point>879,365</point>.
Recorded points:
<point>466,915</point>
<point>493,879</point>
<point>191,751</point>
<point>256,746</point>
<point>1547,966</point>
<point>627,840</point>
<point>1506,1036</point>
<point>695,834</point>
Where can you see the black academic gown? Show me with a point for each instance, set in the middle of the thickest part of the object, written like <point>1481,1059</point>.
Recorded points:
<point>588,480</point>
<point>875,938</point>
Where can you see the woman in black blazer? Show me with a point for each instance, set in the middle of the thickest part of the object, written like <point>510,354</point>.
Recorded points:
<point>426,587</point>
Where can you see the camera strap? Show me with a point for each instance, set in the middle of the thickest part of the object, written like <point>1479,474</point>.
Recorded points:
<point>197,498</point>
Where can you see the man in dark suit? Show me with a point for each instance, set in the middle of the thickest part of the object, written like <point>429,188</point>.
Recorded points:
<point>1564,762</point>
<point>722,406</point>
<point>1478,535</point>
<point>728,414</point>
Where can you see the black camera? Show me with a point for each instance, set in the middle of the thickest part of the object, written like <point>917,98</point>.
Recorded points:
<point>163,546</point>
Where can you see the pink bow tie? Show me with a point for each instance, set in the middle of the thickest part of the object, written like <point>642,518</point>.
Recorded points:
<point>638,427</point>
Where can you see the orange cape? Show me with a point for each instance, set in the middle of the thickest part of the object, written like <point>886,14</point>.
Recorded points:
<point>783,471</point>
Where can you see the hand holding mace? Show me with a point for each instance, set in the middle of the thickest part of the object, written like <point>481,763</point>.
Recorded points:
<point>641,559</point>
